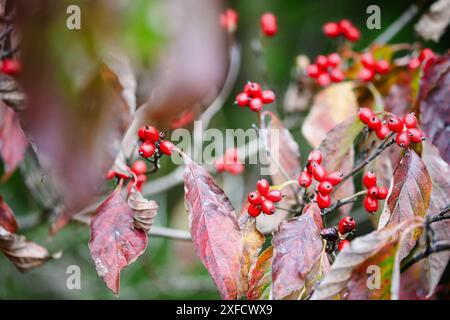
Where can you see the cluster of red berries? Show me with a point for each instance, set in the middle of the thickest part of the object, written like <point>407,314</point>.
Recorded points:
<point>344,28</point>
<point>326,69</point>
<point>229,20</point>
<point>10,66</point>
<point>373,123</point>
<point>263,199</point>
<point>152,141</point>
<point>229,162</point>
<point>139,168</point>
<point>315,170</point>
<point>426,56</point>
<point>269,25</point>
<point>372,67</point>
<point>254,97</point>
<point>346,226</point>
<point>374,192</point>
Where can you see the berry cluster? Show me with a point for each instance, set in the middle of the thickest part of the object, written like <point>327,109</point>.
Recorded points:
<point>372,67</point>
<point>426,55</point>
<point>374,192</point>
<point>315,170</point>
<point>254,97</point>
<point>139,168</point>
<point>406,130</point>
<point>229,162</point>
<point>152,142</point>
<point>10,66</point>
<point>269,25</point>
<point>332,235</point>
<point>263,199</point>
<point>344,28</point>
<point>229,20</point>
<point>326,69</point>
<point>373,123</point>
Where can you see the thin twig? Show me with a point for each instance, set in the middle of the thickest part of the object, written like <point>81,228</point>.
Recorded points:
<point>343,202</point>
<point>421,255</point>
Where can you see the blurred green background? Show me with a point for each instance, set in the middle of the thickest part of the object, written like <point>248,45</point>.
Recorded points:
<point>169,269</point>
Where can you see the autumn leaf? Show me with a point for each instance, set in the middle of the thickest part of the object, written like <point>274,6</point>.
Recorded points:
<point>144,211</point>
<point>297,248</point>
<point>114,241</point>
<point>214,228</point>
<point>7,219</point>
<point>260,276</point>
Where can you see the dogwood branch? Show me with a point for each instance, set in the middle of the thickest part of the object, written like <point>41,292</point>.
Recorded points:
<point>343,202</point>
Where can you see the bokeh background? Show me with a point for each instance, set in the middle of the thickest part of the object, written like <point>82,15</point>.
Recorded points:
<point>169,269</point>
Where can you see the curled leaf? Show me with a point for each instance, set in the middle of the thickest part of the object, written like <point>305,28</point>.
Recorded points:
<point>432,24</point>
<point>144,210</point>
<point>7,219</point>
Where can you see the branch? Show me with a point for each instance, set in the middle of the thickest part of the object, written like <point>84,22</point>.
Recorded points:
<point>343,202</point>
<point>433,249</point>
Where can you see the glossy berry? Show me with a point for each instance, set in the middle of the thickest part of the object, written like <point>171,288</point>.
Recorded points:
<point>268,96</point>
<point>313,71</point>
<point>333,59</point>
<point>370,204</point>
<point>110,175</point>
<point>323,201</point>
<point>368,61</point>
<point>402,139</point>
<point>329,234</point>
<point>253,89</point>
<point>369,179</point>
<point>322,62</point>
<point>373,192</point>
<point>166,147</point>
<point>242,99</point>
<point>263,186</point>
<point>148,133</point>
<point>315,156</point>
<point>410,120</point>
<point>268,207</point>
<point>254,198</point>
<point>414,63</point>
<point>415,135</point>
<point>269,24</point>
<point>305,179</point>
<point>346,225</point>
<point>365,114</point>
<point>395,124</point>
<point>256,104</point>
<point>345,24</point>
<point>382,192</point>
<point>323,79</point>
<point>334,177</point>
<point>342,244</point>
<point>331,29</point>
<point>229,20</point>
<point>426,53</point>
<point>139,167</point>
<point>382,67</point>
<point>318,172</point>
<point>325,187</point>
<point>374,123</point>
<point>383,132</point>
<point>352,34</point>
<point>11,66</point>
<point>253,210</point>
<point>336,75</point>
<point>146,149</point>
<point>274,196</point>
<point>366,74</point>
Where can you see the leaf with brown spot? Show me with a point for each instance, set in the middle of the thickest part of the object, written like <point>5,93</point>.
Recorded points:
<point>144,211</point>
<point>7,219</point>
<point>214,228</point>
<point>114,242</point>
<point>260,277</point>
<point>297,248</point>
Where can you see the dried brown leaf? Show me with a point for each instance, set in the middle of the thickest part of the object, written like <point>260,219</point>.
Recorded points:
<point>144,211</point>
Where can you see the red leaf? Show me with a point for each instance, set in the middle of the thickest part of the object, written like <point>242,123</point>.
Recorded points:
<point>260,276</point>
<point>114,242</point>
<point>297,249</point>
<point>214,228</point>
<point>7,219</point>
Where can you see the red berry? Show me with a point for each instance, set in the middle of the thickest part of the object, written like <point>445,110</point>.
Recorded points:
<point>242,99</point>
<point>322,62</point>
<point>373,192</point>
<point>263,186</point>
<point>268,96</point>
<point>395,124</point>
<point>309,166</point>
<point>382,66</point>
<point>323,200</point>
<point>368,60</point>
<point>329,234</point>
<point>402,139</point>
<point>141,179</point>
<point>139,167</point>
<point>415,135</point>
<point>110,175</point>
<point>333,59</point>
<point>370,204</point>
<point>269,24</point>
<point>325,187</point>
<point>315,156</point>
<point>268,207</point>
<point>374,123</point>
<point>274,196</point>
<point>323,80</point>
<point>229,20</point>
<point>220,166</point>
<point>147,149</point>
<point>305,179</point>
<point>253,89</point>
<point>346,225</point>
<point>414,63</point>
<point>313,71</point>
<point>318,172</point>
<point>383,132</point>
<point>166,147</point>
<point>382,192</point>
<point>256,104</point>
<point>365,114</point>
<point>352,34</point>
<point>369,179</point>
<point>253,210</point>
<point>336,75</point>
<point>335,177</point>
<point>11,66</point>
<point>410,120</point>
<point>148,133</point>
<point>235,168</point>
<point>366,74</point>
<point>342,244</point>
<point>345,24</point>
<point>254,198</point>
<point>331,29</point>
<point>426,54</point>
